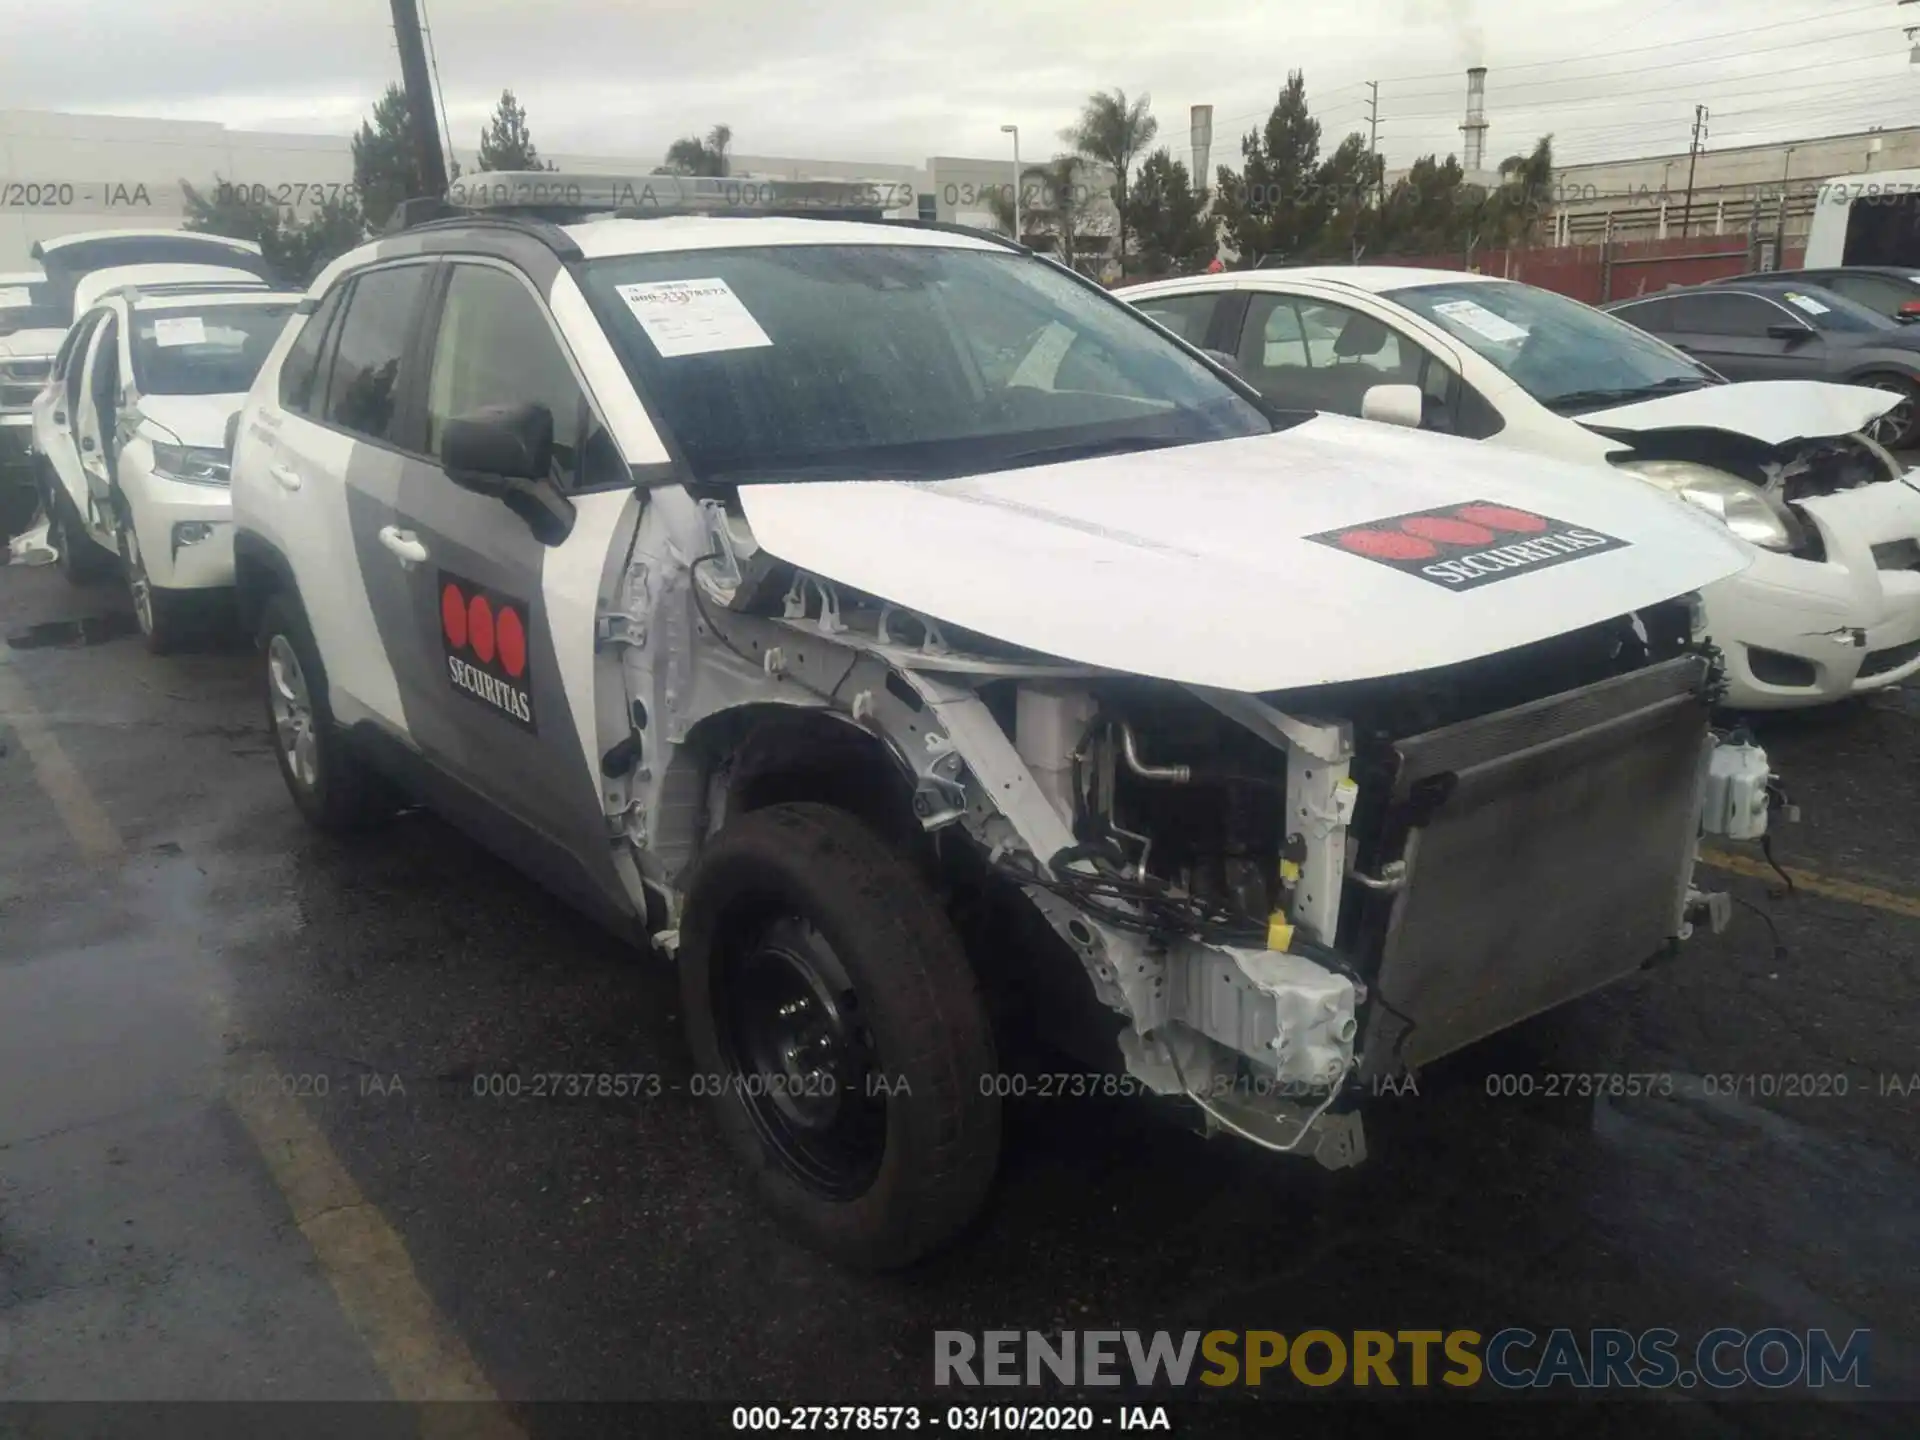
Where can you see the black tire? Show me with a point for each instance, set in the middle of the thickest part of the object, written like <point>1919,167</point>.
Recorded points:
<point>81,560</point>
<point>341,794</point>
<point>1899,428</point>
<point>164,616</point>
<point>801,876</point>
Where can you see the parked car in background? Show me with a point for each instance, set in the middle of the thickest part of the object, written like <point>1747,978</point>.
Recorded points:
<point>28,345</point>
<point>27,305</point>
<point>1832,605</point>
<point>1788,330</point>
<point>1889,290</point>
<point>131,433</point>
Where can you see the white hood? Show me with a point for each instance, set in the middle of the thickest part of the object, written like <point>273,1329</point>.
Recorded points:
<point>191,419</point>
<point>1231,564</point>
<point>1774,412</point>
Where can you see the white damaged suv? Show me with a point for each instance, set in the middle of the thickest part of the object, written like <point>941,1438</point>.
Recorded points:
<point>905,635</point>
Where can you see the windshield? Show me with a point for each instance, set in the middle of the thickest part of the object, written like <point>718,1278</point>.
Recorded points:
<point>1568,356</point>
<point>1824,310</point>
<point>831,362</point>
<point>30,305</point>
<point>213,350</point>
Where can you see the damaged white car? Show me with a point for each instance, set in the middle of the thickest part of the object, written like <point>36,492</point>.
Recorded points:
<point>1831,606</point>
<point>920,647</point>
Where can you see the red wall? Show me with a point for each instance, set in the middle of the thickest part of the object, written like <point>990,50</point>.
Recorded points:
<point>1639,266</point>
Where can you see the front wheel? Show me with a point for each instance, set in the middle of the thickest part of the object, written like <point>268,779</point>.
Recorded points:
<point>1899,428</point>
<point>161,613</point>
<point>840,1031</point>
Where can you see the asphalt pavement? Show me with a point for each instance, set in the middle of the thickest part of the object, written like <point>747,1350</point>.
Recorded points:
<point>257,1140</point>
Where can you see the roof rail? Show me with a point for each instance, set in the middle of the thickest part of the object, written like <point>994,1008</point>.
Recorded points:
<point>545,231</point>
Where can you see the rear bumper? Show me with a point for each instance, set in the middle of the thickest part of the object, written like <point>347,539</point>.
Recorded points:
<point>1802,632</point>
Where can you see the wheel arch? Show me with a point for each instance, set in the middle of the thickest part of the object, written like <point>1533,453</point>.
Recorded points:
<point>260,571</point>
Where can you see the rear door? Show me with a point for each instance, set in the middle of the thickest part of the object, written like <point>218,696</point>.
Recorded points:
<point>56,410</point>
<point>333,465</point>
<point>495,646</point>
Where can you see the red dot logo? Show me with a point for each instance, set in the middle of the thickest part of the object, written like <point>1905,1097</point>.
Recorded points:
<point>480,629</point>
<point>1387,545</point>
<point>1446,532</point>
<point>511,638</point>
<point>1502,517</point>
<point>453,616</point>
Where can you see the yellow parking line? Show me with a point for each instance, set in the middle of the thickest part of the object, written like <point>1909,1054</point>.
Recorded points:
<point>1851,891</point>
<point>363,1257</point>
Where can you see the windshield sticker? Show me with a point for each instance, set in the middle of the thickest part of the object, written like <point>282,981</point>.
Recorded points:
<point>15,297</point>
<point>1808,304</point>
<point>484,635</point>
<point>1462,547</point>
<point>172,330</point>
<point>1481,321</point>
<point>693,317</point>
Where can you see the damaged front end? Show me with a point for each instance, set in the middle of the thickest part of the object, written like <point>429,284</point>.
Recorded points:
<point>1280,897</point>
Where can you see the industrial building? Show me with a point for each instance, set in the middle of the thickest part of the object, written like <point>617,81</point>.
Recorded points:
<point>61,173</point>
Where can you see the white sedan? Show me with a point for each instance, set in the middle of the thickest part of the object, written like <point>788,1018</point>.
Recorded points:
<point>131,439</point>
<point>1831,606</point>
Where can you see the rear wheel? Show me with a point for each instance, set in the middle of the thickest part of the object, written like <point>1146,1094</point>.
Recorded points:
<point>329,783</point>
<point>837,1025</point>
<point>1899,428</point>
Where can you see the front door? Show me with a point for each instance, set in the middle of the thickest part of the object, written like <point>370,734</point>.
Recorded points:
<point>498,656</point>
<point>95,419</point>
<point>1733,332</point>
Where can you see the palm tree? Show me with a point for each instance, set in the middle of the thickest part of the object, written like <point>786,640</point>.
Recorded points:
<point>690,155</point>
<point>1114,132</point>
<point>1526,191</point>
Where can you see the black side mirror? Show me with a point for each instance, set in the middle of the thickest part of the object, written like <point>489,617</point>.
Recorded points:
<point>505,452</point>
<point>1231,362</point>
<point>1790,331</point>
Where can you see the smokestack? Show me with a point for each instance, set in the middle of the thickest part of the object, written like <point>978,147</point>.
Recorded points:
<point>1202,118</point>
<point>1474,152</point>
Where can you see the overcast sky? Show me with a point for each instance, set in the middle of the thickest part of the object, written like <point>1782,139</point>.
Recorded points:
<point>900,80</point>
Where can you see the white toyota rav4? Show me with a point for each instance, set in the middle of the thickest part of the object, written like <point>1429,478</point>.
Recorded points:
<point>908,637</point>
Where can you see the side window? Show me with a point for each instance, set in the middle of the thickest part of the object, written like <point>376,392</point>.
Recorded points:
<point>1876,292</point>
<point>1187,316</point>
<point>301,368</point>
<point>1653,316</point>
<point>1270,337</point>
<point>496,347</point>
<point>364,387</point>
<point>1711,314</point>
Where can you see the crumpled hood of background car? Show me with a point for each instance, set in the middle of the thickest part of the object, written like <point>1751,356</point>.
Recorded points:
<point>1774,412</point>
<point>1196,564</point>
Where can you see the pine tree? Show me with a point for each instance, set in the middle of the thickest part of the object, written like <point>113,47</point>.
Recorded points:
<point>384,172</point>
<point>506,144</point>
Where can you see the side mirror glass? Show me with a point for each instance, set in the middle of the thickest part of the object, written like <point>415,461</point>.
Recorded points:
<point>1393,405</point>
<point>505,452</point>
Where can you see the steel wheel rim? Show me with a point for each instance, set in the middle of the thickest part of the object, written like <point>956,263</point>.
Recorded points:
<point>137,583</point>
<point>799,1056</point>
<point>1896,422</point>
<point>292,712</point>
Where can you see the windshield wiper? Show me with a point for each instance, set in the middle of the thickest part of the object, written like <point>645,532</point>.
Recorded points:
<point>1086,450</point>
<point>1592,399</point>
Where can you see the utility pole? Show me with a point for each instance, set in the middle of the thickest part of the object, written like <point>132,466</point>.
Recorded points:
<point>1693,158</point>
<point>1373,143</point>
<point>430,166</point>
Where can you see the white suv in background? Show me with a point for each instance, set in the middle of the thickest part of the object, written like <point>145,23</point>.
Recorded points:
<point>1831,605</point>
<point>132,434</point>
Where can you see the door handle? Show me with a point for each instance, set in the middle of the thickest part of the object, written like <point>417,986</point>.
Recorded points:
<point>402,543</point>
<point>285,476</point>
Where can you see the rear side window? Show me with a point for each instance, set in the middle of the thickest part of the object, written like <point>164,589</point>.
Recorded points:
<point>1187,316</point>
<point>1649,315</point>
<point>1713,314</point>
<point>363,391</point>
<point>301,369</point>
